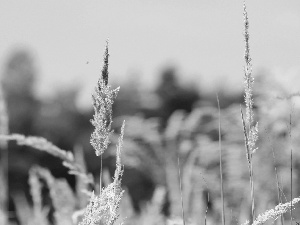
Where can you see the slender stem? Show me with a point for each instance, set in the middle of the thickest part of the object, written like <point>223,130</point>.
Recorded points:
<point>221,166</point>
<point>278,185</point>
<point>291,211</point>
<point>250,166</point>
<point>180,186</point>
<point>252,189</point>
<point>205,218</point>
<point>101,175</point>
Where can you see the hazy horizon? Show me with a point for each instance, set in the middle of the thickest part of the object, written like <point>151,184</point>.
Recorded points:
<point>203,39</point>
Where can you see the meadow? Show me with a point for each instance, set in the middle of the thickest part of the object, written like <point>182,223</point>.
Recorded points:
<point>214,165</point>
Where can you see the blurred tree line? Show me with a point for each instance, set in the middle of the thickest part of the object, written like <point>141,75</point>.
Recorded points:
<point>61,122</point>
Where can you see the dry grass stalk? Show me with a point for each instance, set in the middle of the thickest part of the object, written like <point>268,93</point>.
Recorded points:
<point>42,144</point>
<point>291,167</point>
<point>103,208</point>
<point>103,99</point>
<point>221,166</point>
<point>250,130</point>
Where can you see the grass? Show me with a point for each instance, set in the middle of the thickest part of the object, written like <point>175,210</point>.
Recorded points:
<point>183,147</point>
<point>221,165</point>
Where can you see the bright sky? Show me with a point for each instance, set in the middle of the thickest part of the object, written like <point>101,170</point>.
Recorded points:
<point>202,37</point>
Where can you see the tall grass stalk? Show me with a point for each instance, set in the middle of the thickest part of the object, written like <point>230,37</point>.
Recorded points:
<point>221,166</point>
<point>291,163</point>
<point>250,130</point>
<point>103,99</point>
<point>278,185</point>
<point>103,208</point>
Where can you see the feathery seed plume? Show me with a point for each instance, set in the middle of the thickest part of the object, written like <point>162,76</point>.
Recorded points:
<point>249,82</point>
<point>103,99</point>
<point>274,213</point>
<point>250,131</point>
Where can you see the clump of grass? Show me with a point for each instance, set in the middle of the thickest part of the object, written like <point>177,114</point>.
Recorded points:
<point>102,207</point>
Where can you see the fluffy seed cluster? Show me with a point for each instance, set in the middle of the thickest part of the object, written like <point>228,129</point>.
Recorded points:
<point>248,97</point>
<point>103,99</point>
<point>104,207</point>
<point>274,213</point>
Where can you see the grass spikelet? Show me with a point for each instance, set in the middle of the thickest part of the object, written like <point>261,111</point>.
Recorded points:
<point>103,99</point>
<point>252,130</point>
<point>274,213</point>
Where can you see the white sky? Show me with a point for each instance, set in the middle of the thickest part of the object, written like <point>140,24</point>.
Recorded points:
<point>203,37</point>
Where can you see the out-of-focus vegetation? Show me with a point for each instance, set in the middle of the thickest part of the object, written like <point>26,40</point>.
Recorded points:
<point>180,123</point>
